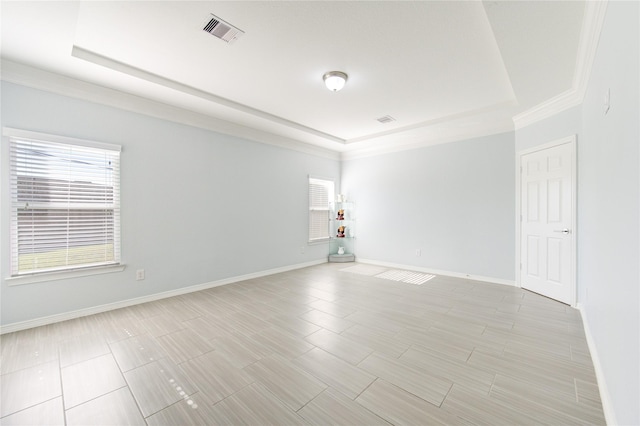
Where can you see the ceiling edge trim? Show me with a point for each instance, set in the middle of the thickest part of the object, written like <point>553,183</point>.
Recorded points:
<point>548,108</point>
<point>594,14</point>
<point>592,23</point>
<point>439,120</point>
<point>112,64</point>
<point>493,128</point>
<point>25,75</point>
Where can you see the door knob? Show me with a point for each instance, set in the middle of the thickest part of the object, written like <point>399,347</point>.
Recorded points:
<point>564,231</point>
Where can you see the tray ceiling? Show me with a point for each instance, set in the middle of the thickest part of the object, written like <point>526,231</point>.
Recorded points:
<point>438,68</point>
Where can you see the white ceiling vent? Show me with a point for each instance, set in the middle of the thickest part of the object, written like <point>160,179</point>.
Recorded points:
<point>222,29</point>
<point>386,119</point>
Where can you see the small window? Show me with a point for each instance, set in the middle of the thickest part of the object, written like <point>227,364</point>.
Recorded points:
<point>65,203</point>
<point>320,195</point>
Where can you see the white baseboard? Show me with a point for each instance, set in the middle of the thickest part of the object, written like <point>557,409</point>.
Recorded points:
<point>37,322</point>
<point>605,397</point>
<point>493,280</point>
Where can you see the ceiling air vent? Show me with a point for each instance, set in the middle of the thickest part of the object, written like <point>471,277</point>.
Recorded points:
<point>386,119</point>
<point>222,30</point>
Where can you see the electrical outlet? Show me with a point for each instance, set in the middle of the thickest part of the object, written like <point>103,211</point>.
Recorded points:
<point>140,274</point>
<point>418,252</point>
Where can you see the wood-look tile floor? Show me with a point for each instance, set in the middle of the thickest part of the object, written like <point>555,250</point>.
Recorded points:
<point>319,346</point>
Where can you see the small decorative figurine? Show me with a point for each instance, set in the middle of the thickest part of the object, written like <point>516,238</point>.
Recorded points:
<point>341,231</point>
<point>340,214</point>
<point>340,250</point>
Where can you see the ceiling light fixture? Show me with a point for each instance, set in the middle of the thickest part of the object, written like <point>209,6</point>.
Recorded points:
<point>334,80</point>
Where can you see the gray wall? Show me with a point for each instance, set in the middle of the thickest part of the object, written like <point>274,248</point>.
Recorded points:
<point>455,202</point>
<point>608,197</point>
<point>608,229</point>
<point>196,206</point>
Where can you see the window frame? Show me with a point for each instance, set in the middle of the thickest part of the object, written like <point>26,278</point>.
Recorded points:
<point>111,151</point>
<point>330,185</point>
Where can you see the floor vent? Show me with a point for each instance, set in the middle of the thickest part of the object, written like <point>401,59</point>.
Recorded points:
<point>408,277</point>
<point>222,29</point>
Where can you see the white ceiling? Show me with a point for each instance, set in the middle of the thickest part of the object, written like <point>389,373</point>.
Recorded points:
<point>442,69</point>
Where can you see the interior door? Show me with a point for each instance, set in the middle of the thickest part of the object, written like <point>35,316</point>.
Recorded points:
<point>547,238</point>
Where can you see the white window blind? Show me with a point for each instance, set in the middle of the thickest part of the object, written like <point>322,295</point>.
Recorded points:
<point>65,205</point>
<point>320,194</point>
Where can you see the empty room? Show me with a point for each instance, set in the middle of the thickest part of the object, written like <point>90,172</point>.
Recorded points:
<point>320,212</point>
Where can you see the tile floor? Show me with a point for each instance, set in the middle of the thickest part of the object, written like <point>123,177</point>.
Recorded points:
<point>318,345</point>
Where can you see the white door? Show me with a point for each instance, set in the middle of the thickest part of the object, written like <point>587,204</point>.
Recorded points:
<point>547,237</point>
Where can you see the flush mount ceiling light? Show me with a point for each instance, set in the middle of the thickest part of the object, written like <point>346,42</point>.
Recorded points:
<point>335,80</point>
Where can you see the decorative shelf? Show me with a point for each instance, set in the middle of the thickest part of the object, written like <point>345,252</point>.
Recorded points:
<point>343,228</point>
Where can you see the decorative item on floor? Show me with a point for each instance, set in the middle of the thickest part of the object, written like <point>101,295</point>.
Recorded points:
<point>340,214</point>
<point>340,250</point>
<point>341,231</point>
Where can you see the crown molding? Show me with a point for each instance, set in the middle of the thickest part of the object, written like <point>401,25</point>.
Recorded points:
<point>548,108</point>
<point>592,23</point>
<point>114,65</point>
<point>492,127</point>
<point>594,14</point>
<point>24,75</point>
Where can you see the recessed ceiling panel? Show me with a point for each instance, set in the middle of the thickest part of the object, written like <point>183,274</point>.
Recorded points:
<point>277,66</point>
<point>439,68</point>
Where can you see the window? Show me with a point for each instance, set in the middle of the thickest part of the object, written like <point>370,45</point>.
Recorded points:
<point>65,203</point>
<point>320,194</point>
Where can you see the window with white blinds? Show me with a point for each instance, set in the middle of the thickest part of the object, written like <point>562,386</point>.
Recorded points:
<point>65,204</point>
<point>320,194</point>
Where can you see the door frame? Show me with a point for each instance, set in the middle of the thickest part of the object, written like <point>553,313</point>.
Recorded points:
<point>572,141</point>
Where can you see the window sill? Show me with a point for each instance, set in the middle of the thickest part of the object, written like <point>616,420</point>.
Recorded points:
<point>63,275</point>
<point>318,241</point>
